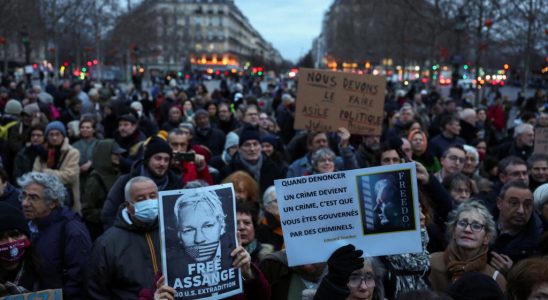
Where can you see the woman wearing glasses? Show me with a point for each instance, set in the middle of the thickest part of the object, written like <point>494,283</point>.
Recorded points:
<point>471,229</point>
<point>352,277</point>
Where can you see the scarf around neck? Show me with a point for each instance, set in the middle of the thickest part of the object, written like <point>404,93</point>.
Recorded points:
<point>254,169</point>
<point>457,265</point>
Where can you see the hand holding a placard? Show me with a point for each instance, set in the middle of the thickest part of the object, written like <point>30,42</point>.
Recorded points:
<point>422,173</point>
<point>344,135</point>
<point>343,262</point>
<point>242,260</point>
<point>163,291</point>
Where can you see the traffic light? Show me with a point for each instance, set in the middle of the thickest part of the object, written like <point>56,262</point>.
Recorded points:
<point>465,67</point>
<point>506,66</point>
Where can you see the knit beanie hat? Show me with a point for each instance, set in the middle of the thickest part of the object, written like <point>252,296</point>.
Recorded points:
<point>157,145</point>
<point>13,107</point>
<point>271,139</point>
<point>232,139</point>
<point>12,218</point>
<point>475,285</point>
<point>249,134</point>
<point>31,109</point>
<point>58,126</point>
<point>425,139</point>
<point>200,111</point>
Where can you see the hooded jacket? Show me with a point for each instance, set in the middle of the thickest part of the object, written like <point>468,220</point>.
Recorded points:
<point>122,263</point>
<point>64,246</point>
<point>116,195</point>
<point>99,182</point>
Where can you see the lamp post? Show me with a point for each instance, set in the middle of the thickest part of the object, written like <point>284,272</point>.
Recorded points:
<point>457,59</point>
<point>25,39</point>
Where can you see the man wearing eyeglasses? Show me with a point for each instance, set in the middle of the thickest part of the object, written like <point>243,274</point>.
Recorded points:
<point>57,232</point>
<point>519,228</point>
<point>452,161</point>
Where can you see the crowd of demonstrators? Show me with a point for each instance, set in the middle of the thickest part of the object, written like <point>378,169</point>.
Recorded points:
<point>82,163</point>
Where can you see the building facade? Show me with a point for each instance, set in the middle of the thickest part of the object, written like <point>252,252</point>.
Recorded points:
<point>206,35</point>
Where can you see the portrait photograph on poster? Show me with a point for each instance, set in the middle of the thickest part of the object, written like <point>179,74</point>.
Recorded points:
<point>198,232</point>
<point>386,202</point>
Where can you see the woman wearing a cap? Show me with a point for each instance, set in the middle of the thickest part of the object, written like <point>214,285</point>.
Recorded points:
<point>19,264</point>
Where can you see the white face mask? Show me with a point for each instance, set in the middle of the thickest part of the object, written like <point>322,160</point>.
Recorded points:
<point>147,210</point>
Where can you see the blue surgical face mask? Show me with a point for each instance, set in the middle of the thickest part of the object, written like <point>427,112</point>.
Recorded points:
<point>147,210</point>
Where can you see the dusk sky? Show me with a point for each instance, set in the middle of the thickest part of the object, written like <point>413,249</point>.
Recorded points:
<point>290,25</point>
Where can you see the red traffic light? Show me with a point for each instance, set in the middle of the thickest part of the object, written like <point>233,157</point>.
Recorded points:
<point>95,61</point>
<point>89,63</point>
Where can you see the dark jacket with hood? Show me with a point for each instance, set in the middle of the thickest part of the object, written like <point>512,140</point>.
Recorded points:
<point>122,263</point>
<point>64,245</point>
<point>11,195</point>
<point>99,182</point>
<point>116,195</point>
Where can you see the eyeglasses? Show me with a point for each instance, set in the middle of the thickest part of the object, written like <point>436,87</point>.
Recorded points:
<point>455,158</point>
<point>474,226</point>
<point>355,280</point>
<point>31,197</point>
<point>518,174</point>
<point>515,204</point>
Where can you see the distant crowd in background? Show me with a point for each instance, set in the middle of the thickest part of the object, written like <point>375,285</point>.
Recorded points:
<point>82,163</point>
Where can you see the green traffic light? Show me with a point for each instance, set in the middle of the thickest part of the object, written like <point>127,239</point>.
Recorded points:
<point>466,67</point>
<point>84,69</point>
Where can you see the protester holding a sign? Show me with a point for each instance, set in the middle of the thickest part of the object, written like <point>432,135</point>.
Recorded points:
<point>246,220</point>
<point>350,276</point>
<point>126,258</point>
<point>201,258</point>
<point>472,229</point>
<point>317,140</point>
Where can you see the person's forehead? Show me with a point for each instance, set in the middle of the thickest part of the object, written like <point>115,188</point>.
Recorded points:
<point>251,110</point>
<point>390,153</point>
<point>177,138</point>
<point>160,155</point>
<point>189,211</point>
<point>456,151</point>
<point>250,142</point>
<point>242,216</point>
<point>540,163</point>
<point>515,167</point>
<point>125,123</point>
<point>471,215</point>
<point>319,137</point>
<point>518,193</point>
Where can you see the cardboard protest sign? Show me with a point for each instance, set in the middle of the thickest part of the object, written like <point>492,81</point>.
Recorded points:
<point>41,295</point>
<point>541,140</point>
<point>327,100</point>
<point>376,209</point>
<point>198,232</point>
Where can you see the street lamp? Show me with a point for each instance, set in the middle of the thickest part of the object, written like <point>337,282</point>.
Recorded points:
<point>25,39</point>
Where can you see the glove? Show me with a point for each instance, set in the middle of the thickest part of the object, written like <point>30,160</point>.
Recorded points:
<point>40,150</point>
<point>342,263</point>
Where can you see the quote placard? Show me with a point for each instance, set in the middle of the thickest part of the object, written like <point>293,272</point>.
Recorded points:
<point>376,209</point>
<point>327,100</point>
